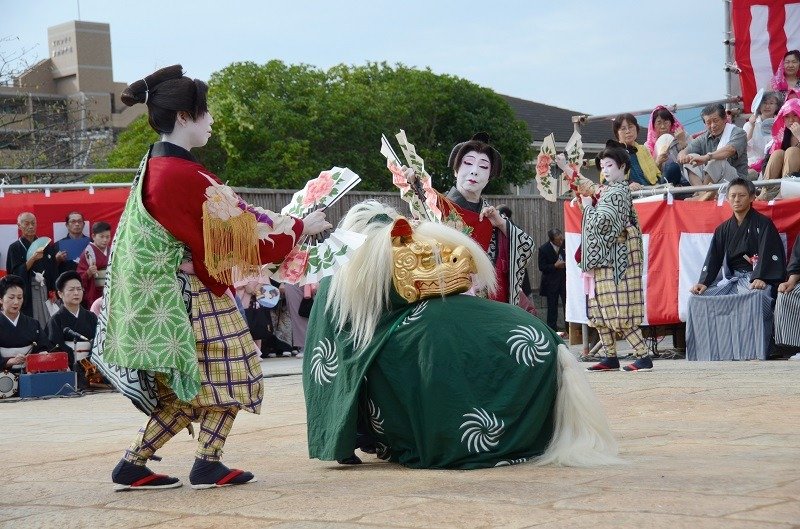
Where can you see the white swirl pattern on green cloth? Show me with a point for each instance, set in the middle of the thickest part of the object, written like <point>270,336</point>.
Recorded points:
<point>324,362</point>
<point>375,419</point>
<point>482,430</point>
<point>528,345</point>
<point>416,313</point>
<point>509,462</point>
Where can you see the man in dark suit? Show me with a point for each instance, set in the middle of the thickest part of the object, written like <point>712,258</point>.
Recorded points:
<point>553,266</point>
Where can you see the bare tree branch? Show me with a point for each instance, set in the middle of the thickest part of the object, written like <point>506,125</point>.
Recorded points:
<point>41,132</point>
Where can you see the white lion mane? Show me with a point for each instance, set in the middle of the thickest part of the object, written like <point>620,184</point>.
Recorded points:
<point>359,291</point>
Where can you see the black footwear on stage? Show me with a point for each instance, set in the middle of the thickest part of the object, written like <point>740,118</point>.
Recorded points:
<point>644,363</point>
<point>352,460</point>
<point>127,476</point>
<point>610,363</point>
<point>213,474</point>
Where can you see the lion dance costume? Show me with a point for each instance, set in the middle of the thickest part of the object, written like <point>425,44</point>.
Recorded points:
<point>441,380</point>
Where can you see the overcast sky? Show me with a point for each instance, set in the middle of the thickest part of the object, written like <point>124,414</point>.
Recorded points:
<point>594,56</point>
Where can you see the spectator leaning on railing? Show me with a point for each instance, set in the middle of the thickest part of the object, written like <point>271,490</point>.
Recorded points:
<point>787,78</point>
<point>784,158</point>
<point>643,170</point>
<point>665,137</point>
<point>758,129</point>
<point>720,152</point>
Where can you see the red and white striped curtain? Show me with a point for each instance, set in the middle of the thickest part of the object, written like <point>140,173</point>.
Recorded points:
<point>675,240</point>
<point>764,31</point>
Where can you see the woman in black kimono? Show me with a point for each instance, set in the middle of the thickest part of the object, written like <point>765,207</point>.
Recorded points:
<point>19,334</point>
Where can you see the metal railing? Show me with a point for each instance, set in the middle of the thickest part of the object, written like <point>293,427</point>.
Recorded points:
<point>65,186</point>
<point>666,189</point>
<point>582,119</point>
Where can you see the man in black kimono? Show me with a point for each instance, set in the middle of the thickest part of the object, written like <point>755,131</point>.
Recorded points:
<point>71,317</point>
<point>553,265</point>
<point>787,308</point>
<point>39,272</point>
<point>749,251</point>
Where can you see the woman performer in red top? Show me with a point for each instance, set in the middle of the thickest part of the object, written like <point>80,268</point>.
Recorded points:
<point>166,309</point>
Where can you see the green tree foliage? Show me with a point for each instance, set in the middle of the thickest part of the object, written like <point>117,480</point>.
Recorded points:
<point>281,124</point>
<point>131,145</point>
<point>278,125</point>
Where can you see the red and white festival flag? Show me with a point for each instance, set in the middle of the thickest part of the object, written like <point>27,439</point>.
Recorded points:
<point>764,31</point>
<point>675,238</point>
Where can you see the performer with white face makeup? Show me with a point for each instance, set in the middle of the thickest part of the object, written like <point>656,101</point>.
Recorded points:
<point>166,317</point>
<point>474,163</point>
<point>612,255</point>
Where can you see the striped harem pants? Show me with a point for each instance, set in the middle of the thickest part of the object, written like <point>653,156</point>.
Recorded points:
<point>787,318</point>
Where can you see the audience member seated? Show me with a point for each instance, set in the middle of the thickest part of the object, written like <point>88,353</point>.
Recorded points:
<point>19,334</point>
<point>732,319</point>
<point>38,271</point>
<point>720,152</point>
<point>94,262</point>
<point>784,157</point>
<point>787,308</point>
<point>72,317</point>
<point>759,131</point>
<point>74,243</point>
<point>786,80</point>
<point>665,138</point>
<point>644,171</point>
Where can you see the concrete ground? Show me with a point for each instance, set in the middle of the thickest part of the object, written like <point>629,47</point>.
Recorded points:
<point>707,445</point>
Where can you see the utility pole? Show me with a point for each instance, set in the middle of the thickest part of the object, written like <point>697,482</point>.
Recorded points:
<point>733,88</point>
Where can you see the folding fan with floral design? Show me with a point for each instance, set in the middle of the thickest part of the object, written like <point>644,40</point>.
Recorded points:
<point>315,259</point>
<point>574,154</point>
<point>322,192</point>
<point>322,255</point>
<point>545,181</point>
<point>421,197</point>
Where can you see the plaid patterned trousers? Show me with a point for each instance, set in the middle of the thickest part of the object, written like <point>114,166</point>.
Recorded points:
<point>171,416</point>
<point>619,307</point>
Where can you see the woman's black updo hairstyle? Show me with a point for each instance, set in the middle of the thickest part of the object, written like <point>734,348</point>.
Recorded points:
<point>10,281</point>
<point>617,152</point>
<point>166,92</point>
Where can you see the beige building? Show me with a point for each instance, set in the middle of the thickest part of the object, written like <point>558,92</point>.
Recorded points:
<point>64,109</point>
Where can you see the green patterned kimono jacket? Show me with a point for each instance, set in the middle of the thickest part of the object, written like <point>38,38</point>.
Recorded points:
<point>456,382</point>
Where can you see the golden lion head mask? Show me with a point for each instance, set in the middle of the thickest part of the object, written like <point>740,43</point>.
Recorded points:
<point>425,270</point>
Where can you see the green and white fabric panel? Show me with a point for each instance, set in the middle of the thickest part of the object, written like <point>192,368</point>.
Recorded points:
<point>456,382</point>
<point>143,323</point>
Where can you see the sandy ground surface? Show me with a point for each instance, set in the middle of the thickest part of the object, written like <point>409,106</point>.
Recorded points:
<point>707,445</point>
